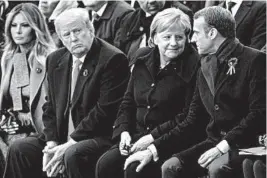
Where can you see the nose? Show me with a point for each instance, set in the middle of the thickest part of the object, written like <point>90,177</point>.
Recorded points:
<point>18,29</point>
<point>173,41</point>
<point>73,37</point>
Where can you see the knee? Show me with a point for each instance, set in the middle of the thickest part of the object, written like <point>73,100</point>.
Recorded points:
<point>131,170</point>
<point>215,170</point>
<point>171,167</point>
<point>258,166</point>
<point>17,146</point>
<point>70,156</point>
<point>247,164</point>
<point>103,164</point>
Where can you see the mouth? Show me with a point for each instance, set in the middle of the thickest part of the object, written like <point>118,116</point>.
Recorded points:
<point>18,38</point>
<point>77,46</point>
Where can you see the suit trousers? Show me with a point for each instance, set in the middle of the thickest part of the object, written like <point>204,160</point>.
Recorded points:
<point>25,156</point>
<point>111,165</point>
<point>186,165</point>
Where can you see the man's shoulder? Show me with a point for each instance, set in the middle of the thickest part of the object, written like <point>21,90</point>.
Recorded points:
<point>108,51</point>
<point>57,55</point>
<point>119,8</point>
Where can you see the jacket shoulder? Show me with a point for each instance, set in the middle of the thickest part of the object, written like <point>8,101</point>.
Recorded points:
<point>54,57</point>
<point>140,55</point>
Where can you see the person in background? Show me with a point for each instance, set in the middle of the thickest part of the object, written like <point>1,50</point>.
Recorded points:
<point>250,17</point>
<point>23,65</point>
<point>134,32</point>
<point>161,86</point>
<point>51,9</point>
<point>86,80</point>
<point>107,16</point>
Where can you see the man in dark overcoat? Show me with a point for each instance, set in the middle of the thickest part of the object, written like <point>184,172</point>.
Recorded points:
<point>86,79</point>
<point>230,88</point>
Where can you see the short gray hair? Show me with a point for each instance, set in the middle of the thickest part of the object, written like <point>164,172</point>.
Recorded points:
<point>165,19</point>
<point>74,13</point>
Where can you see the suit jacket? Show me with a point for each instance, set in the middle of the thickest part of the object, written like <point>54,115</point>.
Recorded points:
<point>98,92</point>
<point>38,88</point>
<point>251,23</point>
<point>237,110</point>
<point>107,26</point>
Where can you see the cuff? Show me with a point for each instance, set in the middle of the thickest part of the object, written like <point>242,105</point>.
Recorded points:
<point>223,146</point>
<point>154,152</point>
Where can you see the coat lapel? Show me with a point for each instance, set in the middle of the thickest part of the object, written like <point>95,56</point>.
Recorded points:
<point>222,75</point>
<point>37,77</point>
<point>242,12</point>
<point>61,77</point>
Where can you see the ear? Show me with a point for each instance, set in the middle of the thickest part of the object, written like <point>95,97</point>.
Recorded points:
<point>213,33</point>
<point>155,39</point>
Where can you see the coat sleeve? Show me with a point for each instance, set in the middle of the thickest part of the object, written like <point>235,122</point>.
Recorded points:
<point>127,112</point>
<point>256,117</point>
<point>258,38</point>
<point>112,87</point>
<point>49,115</point>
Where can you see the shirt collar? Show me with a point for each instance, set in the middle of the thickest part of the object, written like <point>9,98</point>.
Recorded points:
<point>238,2</point>
<point>75,58</point>
<point>101,10</point>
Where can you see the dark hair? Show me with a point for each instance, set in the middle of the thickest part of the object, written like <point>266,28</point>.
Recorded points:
<point>219,18</point>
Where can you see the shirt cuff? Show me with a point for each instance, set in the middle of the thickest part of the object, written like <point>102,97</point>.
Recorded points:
<point>154,152</point>
<point>223,146</point>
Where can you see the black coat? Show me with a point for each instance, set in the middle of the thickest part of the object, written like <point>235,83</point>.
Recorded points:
<point>99,89</point>
<point>155,96</point>
<point>109,23</point>
<point>251,23</point>
<point>236,112</point>
<point>135,25</point>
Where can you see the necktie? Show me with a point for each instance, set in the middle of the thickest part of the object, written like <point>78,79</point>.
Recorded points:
<point>231,5</point>
<point>75,74</point>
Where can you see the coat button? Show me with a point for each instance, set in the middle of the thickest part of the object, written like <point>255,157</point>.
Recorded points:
<point>153,84</point>
<point>223,133</point>
<point>147,128</point>
<point>216,107</point>
<point>141,29</point>
<point>38,70</point>
<point>148,107</point>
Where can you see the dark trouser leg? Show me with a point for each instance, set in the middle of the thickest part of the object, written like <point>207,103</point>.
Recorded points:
<point>248,168</point>
<point>110,164</point>
<point>24,159</point>
<point>259,169</point>
<point>80,159</point>
<point>150,170</point>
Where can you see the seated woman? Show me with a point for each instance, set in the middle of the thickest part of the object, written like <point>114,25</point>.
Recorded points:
<point>161,85</point>
<point>23,65</point>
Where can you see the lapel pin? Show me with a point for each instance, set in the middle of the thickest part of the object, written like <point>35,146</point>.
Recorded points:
<point>232,63</point>
<point>85,72</point>
<point>38,70</point>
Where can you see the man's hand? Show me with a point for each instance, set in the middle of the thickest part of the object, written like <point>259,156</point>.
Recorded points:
<point>58,153</point>
<point>206,158</point>
<point>142,143</point>
<point>144,157</point>
<point>57,168</point>
<point>125,143</point>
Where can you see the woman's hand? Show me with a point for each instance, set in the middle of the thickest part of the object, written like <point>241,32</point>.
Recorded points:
<point>8,125</point>
<point>125,143</point>
<point>142,143</point>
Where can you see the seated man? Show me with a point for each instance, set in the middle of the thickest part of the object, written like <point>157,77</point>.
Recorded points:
<point>86,82</point>
<point>231,89</point>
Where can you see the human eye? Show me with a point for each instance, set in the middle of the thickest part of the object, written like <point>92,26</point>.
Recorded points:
<point>77,31</point>
<point>66,34</point>
<point>166,37</point>
<point>25,25</point>
<point>13,25</point>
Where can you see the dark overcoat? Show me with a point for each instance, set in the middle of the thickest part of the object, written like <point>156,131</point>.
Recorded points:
<point>100,86</point>
<point>155,96</point>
